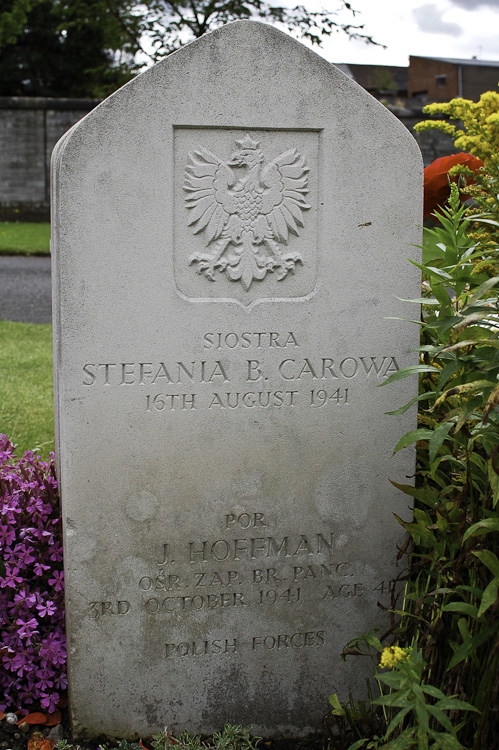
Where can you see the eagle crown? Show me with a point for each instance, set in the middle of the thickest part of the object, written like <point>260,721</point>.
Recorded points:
<point>246,157</point>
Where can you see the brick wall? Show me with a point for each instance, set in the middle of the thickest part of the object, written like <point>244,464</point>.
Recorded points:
<point>437,78</point>
<point>29,129</point>
<point>442,80</point>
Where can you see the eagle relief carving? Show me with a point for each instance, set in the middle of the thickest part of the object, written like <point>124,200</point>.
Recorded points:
<point>247,210</point>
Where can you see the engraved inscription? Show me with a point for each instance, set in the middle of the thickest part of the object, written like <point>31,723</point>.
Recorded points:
<point>248,339</point>
<point>282,641</point>
<point>201,648</point>
<point>296,640</point>
<point>273,376</point>
<point>249,566</point>
<point>103,609</point>
<point>246,209</point>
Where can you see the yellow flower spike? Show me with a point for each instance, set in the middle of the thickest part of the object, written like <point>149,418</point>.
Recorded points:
<point>461,169</point>
<point>493,120</point>
<point>445,127</point>
<point>393,655</point>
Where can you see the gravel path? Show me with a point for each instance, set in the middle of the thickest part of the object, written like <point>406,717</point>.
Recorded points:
<point>25,289</point>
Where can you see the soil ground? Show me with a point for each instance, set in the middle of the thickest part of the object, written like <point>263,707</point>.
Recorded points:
<point>13,738</point>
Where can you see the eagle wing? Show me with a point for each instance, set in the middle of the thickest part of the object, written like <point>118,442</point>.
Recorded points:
<point>207,183</point>
<point>284,200</point>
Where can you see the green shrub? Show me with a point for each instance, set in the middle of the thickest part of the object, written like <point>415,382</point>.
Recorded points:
<point>448,618</point>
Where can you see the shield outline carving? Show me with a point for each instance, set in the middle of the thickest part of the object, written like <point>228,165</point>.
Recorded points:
<point>299,283</point>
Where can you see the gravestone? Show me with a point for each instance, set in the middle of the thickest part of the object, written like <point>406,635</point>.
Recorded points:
<point>230,231</point>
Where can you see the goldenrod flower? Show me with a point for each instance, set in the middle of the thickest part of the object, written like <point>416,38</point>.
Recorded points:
<point>480,124</point>
<point>393,655</point>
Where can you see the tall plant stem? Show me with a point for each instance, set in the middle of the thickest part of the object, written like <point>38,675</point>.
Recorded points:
<point>478,740</point>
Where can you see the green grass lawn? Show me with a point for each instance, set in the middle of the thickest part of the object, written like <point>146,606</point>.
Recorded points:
<point>26,389</point>
<point>24,238</point>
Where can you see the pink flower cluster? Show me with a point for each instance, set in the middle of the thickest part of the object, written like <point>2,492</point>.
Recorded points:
<point>32,637</point>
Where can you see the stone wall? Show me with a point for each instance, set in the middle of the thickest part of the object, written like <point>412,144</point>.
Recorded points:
<point>433,143</point>
<point>30,128</point>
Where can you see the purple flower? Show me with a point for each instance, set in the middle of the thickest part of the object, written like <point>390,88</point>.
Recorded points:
<point>40,569</point>
<point>23,597</point>
<point>44,683</point>
<point>49,702</point>
<point>60,681</point>
<point>56,552</point>
<point>7,535</point>
<point>8,657</point>
<point>47,609</point>
<point>11,579</point>
<point>23,555</point>
<point>27,629</point>
<point>32,639</point>
<point>57,580</point>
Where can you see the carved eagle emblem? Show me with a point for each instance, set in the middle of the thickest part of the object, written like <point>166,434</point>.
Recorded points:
<point>247,210</point>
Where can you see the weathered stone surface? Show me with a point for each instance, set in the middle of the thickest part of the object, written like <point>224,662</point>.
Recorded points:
<point>230,232</point>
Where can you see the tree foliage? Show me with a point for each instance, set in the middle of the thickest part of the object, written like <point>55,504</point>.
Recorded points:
<point>170,24</point>
<point>77,48</point>
<point>90,47</point>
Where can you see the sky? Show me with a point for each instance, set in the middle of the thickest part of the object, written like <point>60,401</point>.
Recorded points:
<point>443,28</point>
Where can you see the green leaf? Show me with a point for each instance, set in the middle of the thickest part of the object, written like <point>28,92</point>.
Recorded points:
<point>494,482</point>
<point>373,641</point>
<point>482,290</point>
<point>478,218</point>
<point>459,390</point>
<point>433,691</point>
<point>409,489</point>
<point>393,699</point>
<point>392,679</point>
<point>436,272</point>
<point>473,590</point>
<point>442,294</point>
<point>489,559</point>
<point>449,370</point>
<point>406,371</point>
<point>338,709</point>
<point>445,741</point>
<point>442,718</point>
<point>481,527</point>
<point>464,628</point>
<point>437,439</point>
<point>467,648</point>
<point>462,608</point>
<point>492,402</point>
<point>404,741</point>
<point>454,704</point>
<point>422,397</point>
<point>397,719</point>
<point>461,344</point>
<point>420,300</point>
<point>357,745</point>
<point>422,735</point>
<point>467,321</point>
<point>464,414</point>
<point>444,324</point>
<point>489,596</point>
<point>412,437</point>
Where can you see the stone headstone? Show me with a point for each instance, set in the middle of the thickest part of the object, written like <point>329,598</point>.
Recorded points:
<point>230,231</point>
